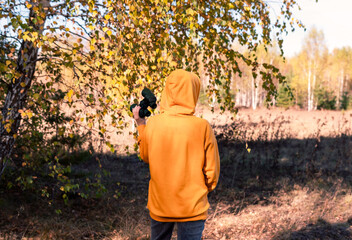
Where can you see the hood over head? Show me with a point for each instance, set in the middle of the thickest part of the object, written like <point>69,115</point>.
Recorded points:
<point>181,93</point>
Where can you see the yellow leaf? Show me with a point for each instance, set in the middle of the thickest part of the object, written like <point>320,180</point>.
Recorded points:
<point>69,95</point>
<point>190,11</point>
<point>248,149</point>
<point>109,33</point>
<point>36,96</point>
<point>23,84</point>
<point>107,16</point>
<point>29,5</point>
<point>25,36</point>
<point>34,35</point>
<point>8,62</point>
<point>140,81</point>
<point>23,114</point>
<point>29,114</point>
<point>62,188</point>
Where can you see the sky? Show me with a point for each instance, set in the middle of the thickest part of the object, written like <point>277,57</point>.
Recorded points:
<point>333,17</point>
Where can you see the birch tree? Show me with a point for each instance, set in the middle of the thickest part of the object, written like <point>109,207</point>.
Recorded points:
<point>341,67</point>
<point>23,74</point>
<point>93,56</point>
<point>315,52</point>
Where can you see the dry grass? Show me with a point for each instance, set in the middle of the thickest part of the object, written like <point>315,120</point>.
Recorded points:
<point>293,181</point>
<point>282,215</point>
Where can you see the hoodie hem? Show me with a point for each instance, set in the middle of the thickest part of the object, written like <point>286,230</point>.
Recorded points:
<point>202,216</point>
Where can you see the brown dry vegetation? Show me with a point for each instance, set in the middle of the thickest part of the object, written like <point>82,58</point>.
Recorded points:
<point>285,174</point>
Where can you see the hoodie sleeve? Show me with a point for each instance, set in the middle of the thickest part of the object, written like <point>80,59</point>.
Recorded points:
<point>142,143</point>
<point>211,168</point>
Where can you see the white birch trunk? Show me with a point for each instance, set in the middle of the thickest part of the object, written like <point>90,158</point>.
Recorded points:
<point>310,104</point>
<point>254,100</point>
<point>341,83</point>
<point>256,95</point>
<point>314,105</point>
<point>16,96</point>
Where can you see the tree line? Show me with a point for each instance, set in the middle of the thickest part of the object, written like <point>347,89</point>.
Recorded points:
<point>315,77</point>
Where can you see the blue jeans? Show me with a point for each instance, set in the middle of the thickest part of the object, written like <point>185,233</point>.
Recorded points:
<point>185,230</point>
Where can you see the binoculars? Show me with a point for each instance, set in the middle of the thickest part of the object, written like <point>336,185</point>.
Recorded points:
<point>148,101</point>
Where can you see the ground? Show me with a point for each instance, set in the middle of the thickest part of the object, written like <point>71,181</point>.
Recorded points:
<point>285,174</point>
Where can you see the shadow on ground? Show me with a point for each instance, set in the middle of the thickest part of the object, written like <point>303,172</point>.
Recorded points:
<point>322,230</point>
<point>251,172</point>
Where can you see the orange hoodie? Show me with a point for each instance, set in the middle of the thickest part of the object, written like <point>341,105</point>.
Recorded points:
<point>182,153</point>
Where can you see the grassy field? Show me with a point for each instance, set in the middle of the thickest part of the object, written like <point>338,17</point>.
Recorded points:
<point>285,174</point>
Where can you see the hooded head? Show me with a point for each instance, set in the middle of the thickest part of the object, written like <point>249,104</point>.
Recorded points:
<point>181,93</point>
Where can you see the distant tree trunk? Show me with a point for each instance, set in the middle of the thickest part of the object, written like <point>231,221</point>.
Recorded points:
<point>17,92</point>
<point>314,105</point>
<point>248,99</point>
<point>242,98</point>
<point>242,94</point>
<point>341,87</point>
<point>310,99</point>
<point>239,97</point>
<point>213,99</point>
<point>254,94</point>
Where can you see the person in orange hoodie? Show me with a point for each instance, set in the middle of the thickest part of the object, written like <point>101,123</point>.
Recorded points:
<point>183,159</point>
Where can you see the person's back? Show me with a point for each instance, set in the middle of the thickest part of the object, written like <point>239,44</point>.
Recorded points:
<point>182,154</point>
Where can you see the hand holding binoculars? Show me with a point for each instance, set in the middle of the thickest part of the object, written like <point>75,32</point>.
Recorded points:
<point>149,100</point>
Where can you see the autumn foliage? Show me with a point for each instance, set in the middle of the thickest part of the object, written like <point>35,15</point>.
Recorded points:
<point>70,70</point>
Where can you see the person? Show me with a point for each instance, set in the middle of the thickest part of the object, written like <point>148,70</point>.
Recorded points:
<point>183,159</point>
